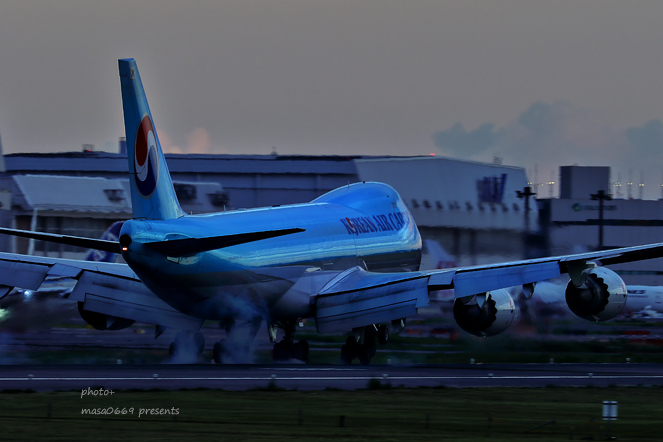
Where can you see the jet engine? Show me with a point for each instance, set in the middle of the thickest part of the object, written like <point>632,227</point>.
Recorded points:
<point>601,297</point>
<point>486,314</point>
<point>101,321</point>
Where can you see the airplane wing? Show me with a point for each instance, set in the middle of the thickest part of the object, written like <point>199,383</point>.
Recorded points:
<point>353,298</point>
<point>356,297</point>
<point>111,289</point>
<point>468,281</point>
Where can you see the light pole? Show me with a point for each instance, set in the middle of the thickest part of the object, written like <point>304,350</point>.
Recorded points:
<point>601,196</point>
<point>526,193</point>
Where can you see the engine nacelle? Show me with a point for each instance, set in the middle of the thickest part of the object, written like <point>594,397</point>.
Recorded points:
<point>601,297</point>
<point>486,314</point>
<point>101,321</point>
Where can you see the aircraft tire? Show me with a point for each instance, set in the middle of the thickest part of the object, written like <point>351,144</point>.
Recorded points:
<point>370,336</point>
<point>371,348</point>
<point>281,352</point>
<point>349,350</point>
<point>383,334</point>
<point>300,350</point>
<point>346,355</point>
<point>364,354</point>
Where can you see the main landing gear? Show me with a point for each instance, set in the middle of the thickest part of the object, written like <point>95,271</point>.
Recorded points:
<point>235,348</point>
<point>187,347</point>
<point>365,350</point>
<point>287,348</point>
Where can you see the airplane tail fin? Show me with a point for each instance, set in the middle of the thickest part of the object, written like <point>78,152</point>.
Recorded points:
<point>152,192</point>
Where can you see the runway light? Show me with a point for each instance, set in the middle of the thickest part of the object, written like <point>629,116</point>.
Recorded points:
<point>432,154</point>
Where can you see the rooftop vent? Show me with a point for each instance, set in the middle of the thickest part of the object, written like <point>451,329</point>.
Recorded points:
<point>114,194</point>
<point>185,192</point>
<point>219,199</point>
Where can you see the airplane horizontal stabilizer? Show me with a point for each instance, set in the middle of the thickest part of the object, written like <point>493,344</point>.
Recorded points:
<point>88,243</point>
<point>190,246</point>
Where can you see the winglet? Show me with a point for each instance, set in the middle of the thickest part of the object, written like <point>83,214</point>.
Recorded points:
<point>152,193</point>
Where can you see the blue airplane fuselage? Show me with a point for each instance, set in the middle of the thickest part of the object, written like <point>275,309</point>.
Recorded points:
<point>365,224</point>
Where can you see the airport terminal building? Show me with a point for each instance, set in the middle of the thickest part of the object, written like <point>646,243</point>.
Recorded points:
<point>571,223</point>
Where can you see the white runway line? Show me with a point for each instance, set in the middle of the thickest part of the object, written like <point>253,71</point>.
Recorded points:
<point>329,378</point>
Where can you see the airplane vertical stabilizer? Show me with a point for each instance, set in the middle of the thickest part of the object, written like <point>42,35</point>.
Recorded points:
<point>152,193</point>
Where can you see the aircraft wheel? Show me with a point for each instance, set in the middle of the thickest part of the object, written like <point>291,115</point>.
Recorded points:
<point>371,347</point>
<point>300,350</point>
<point>383,334</point>
<point>346,355</point>
<point>349,350</point>
<point>364,353</point>
<point>369,340</point>
<point>172,349</point>
<point>281,351</point>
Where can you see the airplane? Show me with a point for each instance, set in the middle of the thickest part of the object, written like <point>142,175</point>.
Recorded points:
<point>62,286</point>
<point>642,301</point>
<point>48,305</point>
<point>645,301</point>
<point>349,260</point>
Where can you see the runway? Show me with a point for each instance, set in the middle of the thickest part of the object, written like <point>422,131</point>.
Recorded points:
<point>311,377</point>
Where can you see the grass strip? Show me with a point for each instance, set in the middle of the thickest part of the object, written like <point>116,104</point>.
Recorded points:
<point>379,413</point>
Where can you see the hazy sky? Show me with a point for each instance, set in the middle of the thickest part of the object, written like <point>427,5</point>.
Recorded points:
<point>542,83</point>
